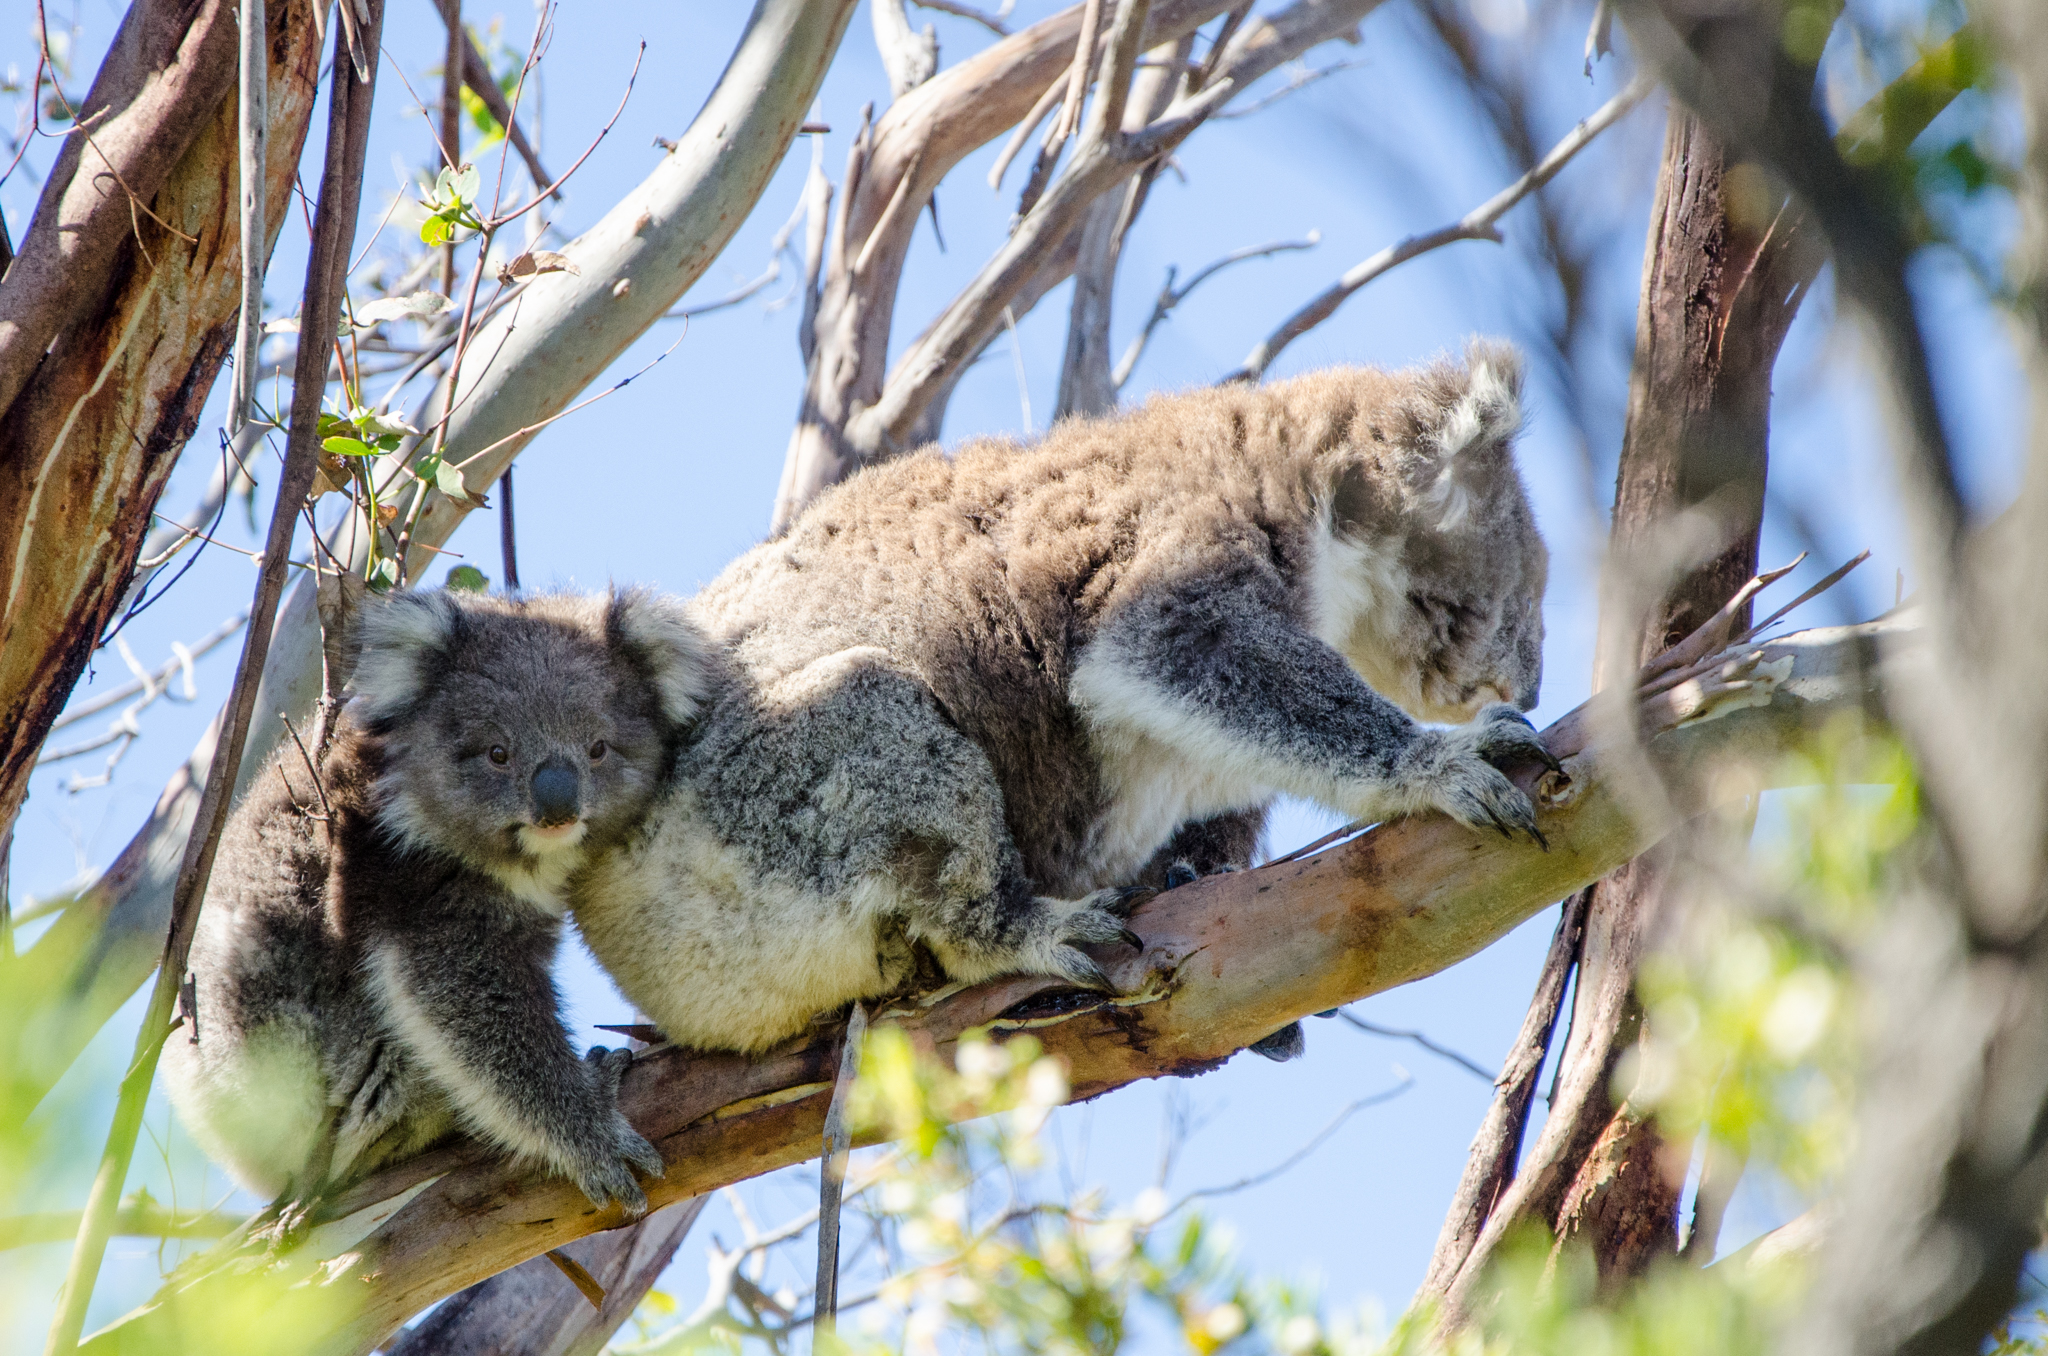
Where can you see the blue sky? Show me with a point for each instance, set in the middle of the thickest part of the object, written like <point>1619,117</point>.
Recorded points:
<point>669,479</point>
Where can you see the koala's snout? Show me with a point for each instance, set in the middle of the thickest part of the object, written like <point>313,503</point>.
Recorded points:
<point>555,794</point>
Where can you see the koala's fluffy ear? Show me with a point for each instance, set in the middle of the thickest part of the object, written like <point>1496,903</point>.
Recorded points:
<point>403,635</point>
<point>670,650</point>
<point>1470,413</point>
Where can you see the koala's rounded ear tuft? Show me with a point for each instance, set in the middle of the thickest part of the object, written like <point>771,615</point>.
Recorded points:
<point>403,634</point>
<point>1470,415</point>
<point>660,639</point>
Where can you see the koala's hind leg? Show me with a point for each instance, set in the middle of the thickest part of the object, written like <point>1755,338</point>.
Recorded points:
<point>847,775</point>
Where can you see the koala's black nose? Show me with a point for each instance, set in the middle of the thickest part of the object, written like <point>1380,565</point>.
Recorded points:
<point>554,793</point>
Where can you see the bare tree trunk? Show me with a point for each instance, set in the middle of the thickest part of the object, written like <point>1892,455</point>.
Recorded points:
<point>138,317</point>
<point>1716,302</point>
<point>1942,1202</point>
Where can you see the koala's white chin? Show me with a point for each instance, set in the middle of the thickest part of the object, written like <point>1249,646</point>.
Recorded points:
<point>536,841</point>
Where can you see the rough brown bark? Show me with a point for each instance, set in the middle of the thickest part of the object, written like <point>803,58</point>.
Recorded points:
<point>171,64</point>
<point>95,430</point>
<point>1718,295</point>
<point>1227,961</point>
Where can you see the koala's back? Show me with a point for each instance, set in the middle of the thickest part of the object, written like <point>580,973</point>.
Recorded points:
<point>982,574</point>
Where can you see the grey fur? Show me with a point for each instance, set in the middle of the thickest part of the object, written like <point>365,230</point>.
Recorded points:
<point>972,698</point>
<point>368,981</point>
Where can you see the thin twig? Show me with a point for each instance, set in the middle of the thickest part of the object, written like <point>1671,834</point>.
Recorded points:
<point>1470,1066</point>
<point>1478,224</point>
<point>1295,1158</point>
<point>1300,78</point>
<point>1170,296</point>
<point>319,787</point>
<point>992,22</point>
<point>181,659</point>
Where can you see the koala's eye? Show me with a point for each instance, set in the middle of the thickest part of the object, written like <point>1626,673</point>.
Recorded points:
<point>597,751</point>
<point>499,755</point>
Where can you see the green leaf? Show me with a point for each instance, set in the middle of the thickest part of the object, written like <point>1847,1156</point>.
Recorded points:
<point>435,230</point>
<point>389,442</point>
<point>348,447</point>
<point>448,479</point>
<point>382,576</point>
<point>468,579</point>
<point>468,182</point>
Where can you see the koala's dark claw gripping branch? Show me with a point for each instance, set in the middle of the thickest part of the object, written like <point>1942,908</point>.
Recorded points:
<point>1131,940</point>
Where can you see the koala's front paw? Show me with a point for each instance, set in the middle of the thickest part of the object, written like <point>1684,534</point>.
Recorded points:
<point>1095,919</point>
<point>604,1161</point>
<point>1464,780</point>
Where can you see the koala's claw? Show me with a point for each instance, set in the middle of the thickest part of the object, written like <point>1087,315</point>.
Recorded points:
<point>1470,785</point>
<point>1080,969</point>
<point>1181,873</point>
<point>1507,735</point>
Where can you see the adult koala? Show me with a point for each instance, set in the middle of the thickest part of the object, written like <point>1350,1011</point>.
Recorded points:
<point>974,699</point>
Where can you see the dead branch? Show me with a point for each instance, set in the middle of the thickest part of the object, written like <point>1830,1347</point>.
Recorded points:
<point>1478,224</point>
<point>1496,1150</point>
<point>1403,900</point>
<point>252,125</point>
<point>1298,79</point>
<point>909,57</point>
<point>914,146</point>
<point>1087,384</point>
<point>992,22</point>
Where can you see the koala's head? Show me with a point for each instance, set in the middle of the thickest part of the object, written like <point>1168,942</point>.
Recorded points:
<point>1430,517</point>
<point>514,730</point>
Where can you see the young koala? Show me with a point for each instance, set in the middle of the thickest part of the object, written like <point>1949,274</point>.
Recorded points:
<point>372,963</point>
<point>975,698</point>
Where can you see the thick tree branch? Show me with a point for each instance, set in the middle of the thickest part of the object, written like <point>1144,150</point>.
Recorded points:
<point>334,228</point>
<point>1227,961</point>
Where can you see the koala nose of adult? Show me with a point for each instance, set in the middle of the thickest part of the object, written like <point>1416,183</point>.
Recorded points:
<point>554,794</point>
